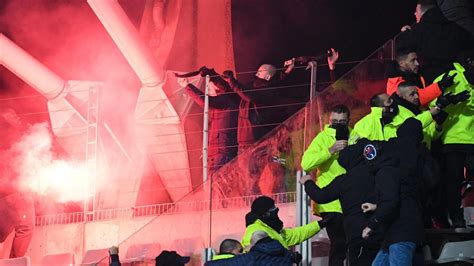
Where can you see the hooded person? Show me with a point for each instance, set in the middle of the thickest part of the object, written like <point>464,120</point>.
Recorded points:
<point>171,258</point>
<point>263,216</point>
<point>398,212</point>
<point>363,161</point>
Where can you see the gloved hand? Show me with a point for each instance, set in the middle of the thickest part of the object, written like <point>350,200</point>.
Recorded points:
<point>296,257</point>
<point>449,98</point>
<point>440,117</point>
<point>326,220</point>
<point>228,75</point>
<point>447,81</point>
<point>460,97</point>
<point>204,71</point>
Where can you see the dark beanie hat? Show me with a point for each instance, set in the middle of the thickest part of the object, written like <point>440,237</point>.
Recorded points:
<point>261,205</point>
<point>171,258</point>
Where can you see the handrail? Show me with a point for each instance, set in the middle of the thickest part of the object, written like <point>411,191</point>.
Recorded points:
<point>160,209</point>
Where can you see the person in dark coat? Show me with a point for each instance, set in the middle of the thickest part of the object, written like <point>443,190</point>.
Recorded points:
<point>352,189</point>
<point>257,111</point>
<point>171,258</point>
<point>398,210</point>
<point>223,112</point>
<point>459,11</point>
<point>436,40</point>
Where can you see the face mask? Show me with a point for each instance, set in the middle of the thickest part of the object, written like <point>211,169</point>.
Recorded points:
<point>272,220</point>
<point>342,132</point>
<point>389,112</point>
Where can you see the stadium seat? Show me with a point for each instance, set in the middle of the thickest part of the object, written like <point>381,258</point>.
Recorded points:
<point>61,259</point>
<point>95,257</point>
<point>23,261</point>
<point>461,251</point>
<point>141,253</point>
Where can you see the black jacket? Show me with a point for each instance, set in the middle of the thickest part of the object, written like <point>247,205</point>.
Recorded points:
<point>352,189</point>
<point>266,252</point>
<point>437,41</point>
<point>408,225</point>
<point>223,112</point>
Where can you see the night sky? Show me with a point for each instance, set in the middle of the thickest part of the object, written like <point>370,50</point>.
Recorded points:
<point>275,30</point>
<point>265,31</point>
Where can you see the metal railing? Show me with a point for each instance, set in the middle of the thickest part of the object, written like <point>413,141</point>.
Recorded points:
<point>160,209</point>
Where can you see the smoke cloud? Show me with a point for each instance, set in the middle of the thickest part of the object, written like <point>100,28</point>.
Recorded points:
<point>39,171</point>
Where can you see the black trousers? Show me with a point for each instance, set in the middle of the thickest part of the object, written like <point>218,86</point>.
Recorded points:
<point>335,230</point>
<point>455,163</point>
<point>362,254</point>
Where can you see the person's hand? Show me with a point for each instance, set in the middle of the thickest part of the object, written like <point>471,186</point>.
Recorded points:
<point>333,56</point>
<point>368,207</point>
<point>460,97</point>
<point>305,178</point>
<point>447,81</point>
<point>204,71</point>
<point>228,75</point>
<point>405,28</point>
<point>449,98</point>
<point>366,232</point>
<point>328,218</point>
<point>113,250</point>
<point>183,82</point>
<point>440,117</point>
<point>289,64</point>
<point>338,146</point>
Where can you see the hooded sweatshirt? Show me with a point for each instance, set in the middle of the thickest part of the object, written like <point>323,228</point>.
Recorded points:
<point>408,225</point>
<point>352,189</point>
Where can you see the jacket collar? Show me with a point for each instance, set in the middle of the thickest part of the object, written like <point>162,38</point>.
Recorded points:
<point>376,111</point>
<point>408,105</point>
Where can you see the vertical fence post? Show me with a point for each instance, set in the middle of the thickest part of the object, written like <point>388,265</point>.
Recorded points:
<point>302,218</point>
<point>205,133</point>
<point>205,171</point>
<point>313,107</point>
<point>207,255</point>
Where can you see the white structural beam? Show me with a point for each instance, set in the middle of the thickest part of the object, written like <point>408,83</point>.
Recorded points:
<point>162,134</point>
<point>26,67</point>
<point>140,58</point>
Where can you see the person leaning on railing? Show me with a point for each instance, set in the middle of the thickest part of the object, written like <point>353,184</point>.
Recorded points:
<point>251,122</point>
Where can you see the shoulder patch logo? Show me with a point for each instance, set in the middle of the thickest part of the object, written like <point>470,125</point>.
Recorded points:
<point>370,152</point>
